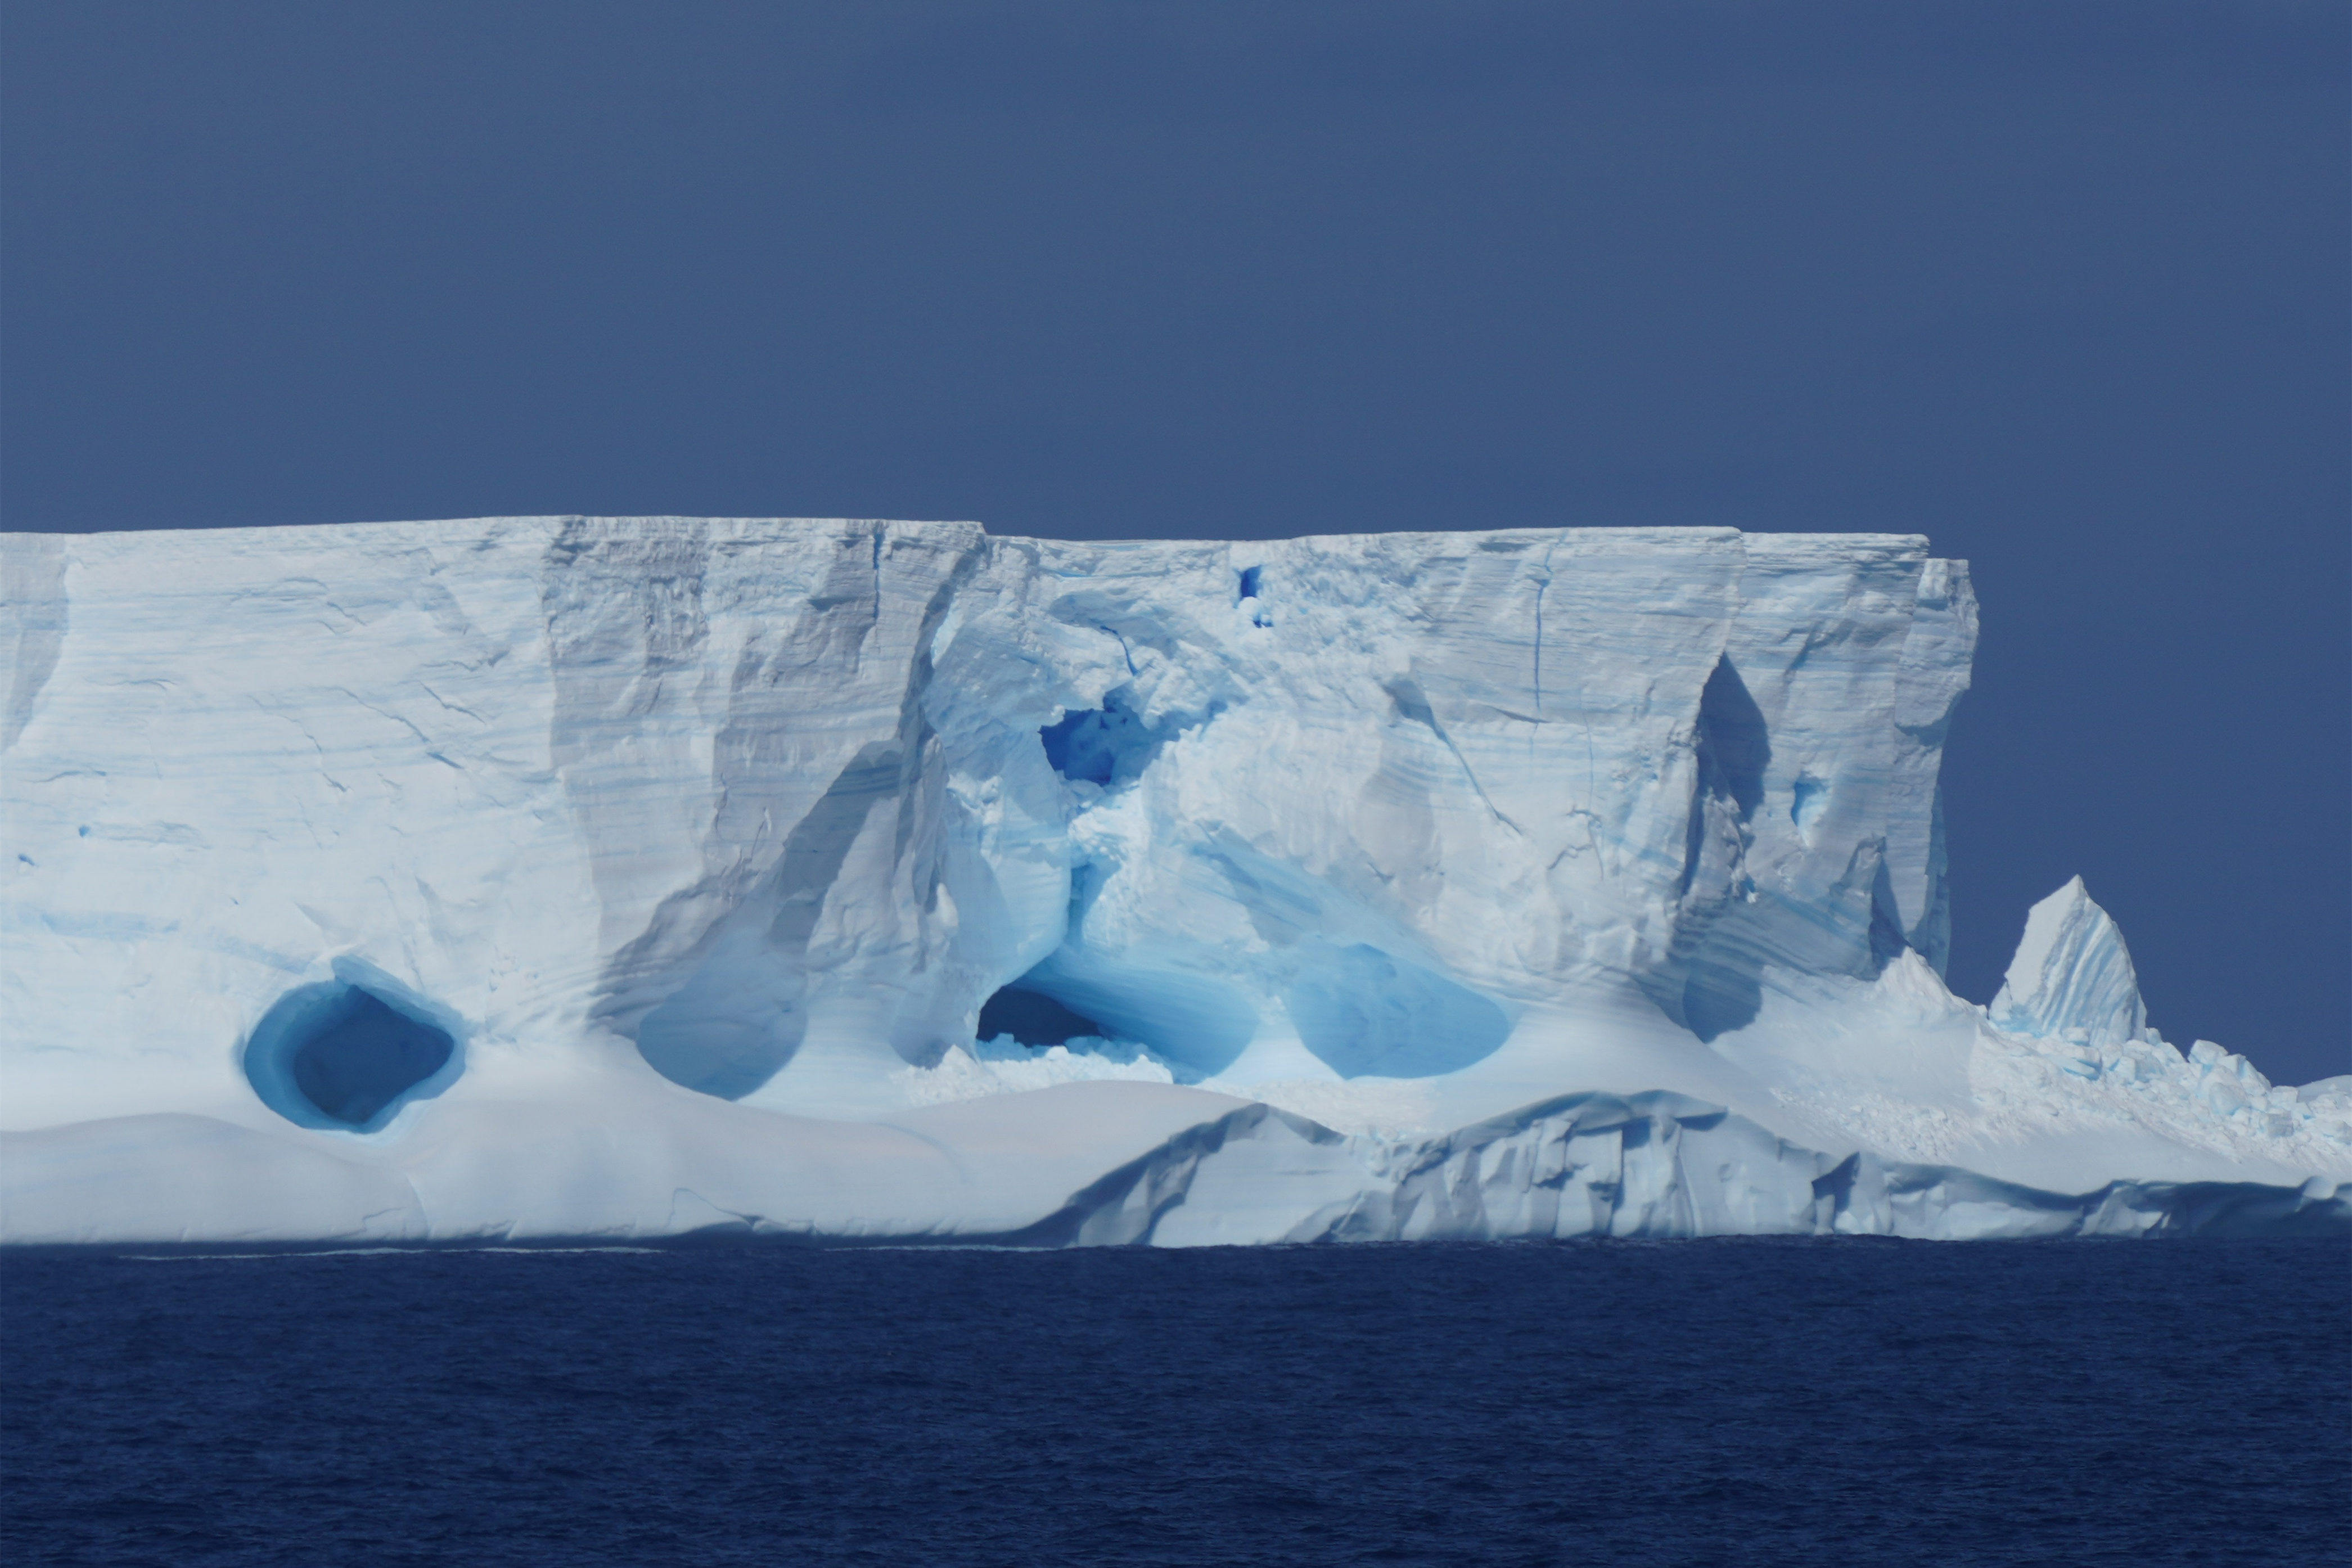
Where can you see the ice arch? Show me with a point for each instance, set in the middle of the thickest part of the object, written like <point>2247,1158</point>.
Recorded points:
<point>346,1056</point>
<point>1186,1014</point>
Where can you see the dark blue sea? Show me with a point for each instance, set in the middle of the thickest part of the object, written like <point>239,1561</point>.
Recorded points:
<point>1735,1403</point>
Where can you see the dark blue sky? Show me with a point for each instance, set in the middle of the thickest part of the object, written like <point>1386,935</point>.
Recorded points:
<point>2062,286</point>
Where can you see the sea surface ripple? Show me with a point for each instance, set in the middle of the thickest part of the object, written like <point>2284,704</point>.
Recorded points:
<point>1734,1403</point>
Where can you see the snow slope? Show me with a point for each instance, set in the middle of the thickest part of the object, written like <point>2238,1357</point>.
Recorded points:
<point>567,876</point>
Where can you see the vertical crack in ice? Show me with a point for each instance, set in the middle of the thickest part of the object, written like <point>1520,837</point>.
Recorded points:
<point>33,612</point>
<point>1542,586</point>
<point>1412,703</point>
<point>1125,652</point>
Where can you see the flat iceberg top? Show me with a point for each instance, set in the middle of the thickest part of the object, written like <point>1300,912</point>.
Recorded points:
<point>370,535</point>
<point>482,846</point>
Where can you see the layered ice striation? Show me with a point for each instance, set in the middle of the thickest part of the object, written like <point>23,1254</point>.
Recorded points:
<point>589,877</point>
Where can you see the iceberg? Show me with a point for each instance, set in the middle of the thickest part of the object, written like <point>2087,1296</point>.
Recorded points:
<point>552,878</point>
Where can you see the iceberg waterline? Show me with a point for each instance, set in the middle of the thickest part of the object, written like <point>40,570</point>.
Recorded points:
<point>569,876</point>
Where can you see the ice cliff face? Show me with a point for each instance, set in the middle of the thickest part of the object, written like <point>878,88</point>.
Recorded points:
<point>410,848</point>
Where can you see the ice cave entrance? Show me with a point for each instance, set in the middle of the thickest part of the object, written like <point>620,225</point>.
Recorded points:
<point>338,1056</point>
<point>1033,1019</point>
<point>1105,745</point>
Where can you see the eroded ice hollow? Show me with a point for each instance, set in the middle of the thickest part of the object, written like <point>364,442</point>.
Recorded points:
<point>566,877</point>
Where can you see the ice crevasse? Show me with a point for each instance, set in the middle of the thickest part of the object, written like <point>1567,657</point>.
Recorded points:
<point>561,878</point>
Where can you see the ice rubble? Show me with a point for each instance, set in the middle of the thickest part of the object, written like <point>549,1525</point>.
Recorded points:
<point>539,877</point>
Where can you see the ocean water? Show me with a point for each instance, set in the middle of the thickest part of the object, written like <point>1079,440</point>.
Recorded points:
<point>1734,1403</point>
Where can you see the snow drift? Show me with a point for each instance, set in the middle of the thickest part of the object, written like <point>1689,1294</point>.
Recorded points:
<point>564,876</point>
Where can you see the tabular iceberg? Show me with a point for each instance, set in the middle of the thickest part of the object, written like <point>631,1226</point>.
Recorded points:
<point>619,878</point>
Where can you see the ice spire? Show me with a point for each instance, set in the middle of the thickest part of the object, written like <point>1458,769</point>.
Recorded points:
<point>2072,972</point>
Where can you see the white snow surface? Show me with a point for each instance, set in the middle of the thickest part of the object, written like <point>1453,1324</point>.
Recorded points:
<point>656,872</point>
